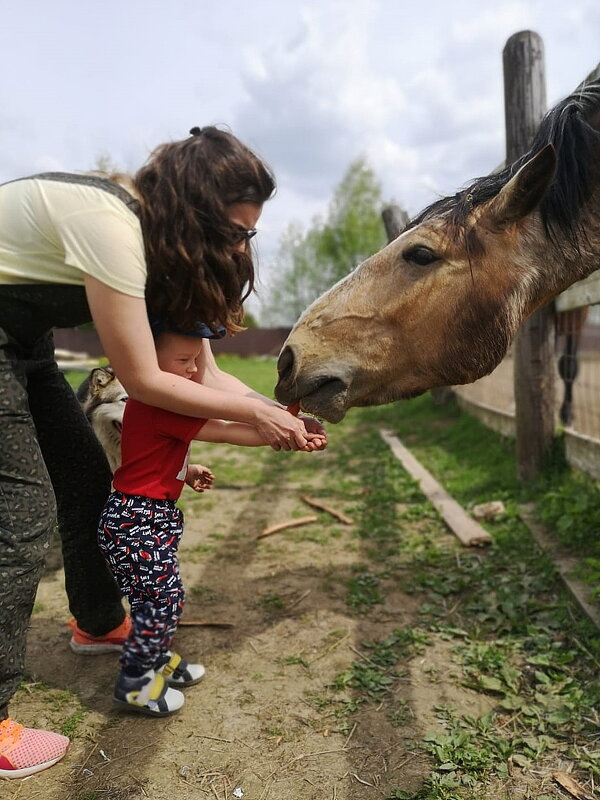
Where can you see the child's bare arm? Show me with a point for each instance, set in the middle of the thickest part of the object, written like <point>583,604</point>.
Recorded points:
<point>215,430</point>
<point>220,432</point>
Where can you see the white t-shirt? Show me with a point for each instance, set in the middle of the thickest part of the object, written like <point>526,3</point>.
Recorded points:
<point>55,232</point>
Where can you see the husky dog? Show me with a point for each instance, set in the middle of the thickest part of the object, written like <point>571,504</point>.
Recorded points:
<point>102,398</point>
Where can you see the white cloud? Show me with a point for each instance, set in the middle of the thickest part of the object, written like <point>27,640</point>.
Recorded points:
<point>310,85</point>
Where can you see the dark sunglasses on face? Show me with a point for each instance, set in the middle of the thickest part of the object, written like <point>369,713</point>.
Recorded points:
<point>243,235</point>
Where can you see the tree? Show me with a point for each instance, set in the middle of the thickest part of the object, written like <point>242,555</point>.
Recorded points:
<point>307,264</point>
<point>249,320</point>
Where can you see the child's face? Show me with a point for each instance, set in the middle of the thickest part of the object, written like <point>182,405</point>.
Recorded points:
<point>177,354</point>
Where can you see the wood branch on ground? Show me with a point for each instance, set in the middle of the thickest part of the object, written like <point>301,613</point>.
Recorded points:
<point>328,509</point>
<point>456,518</point>
<point>566,782</point>
<point>291,523</point>
<point>204,623</point>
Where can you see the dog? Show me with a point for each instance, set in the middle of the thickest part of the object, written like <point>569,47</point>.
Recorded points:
<point>103,398</point>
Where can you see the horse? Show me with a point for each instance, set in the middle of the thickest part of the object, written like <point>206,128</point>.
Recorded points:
<point>440,304</point>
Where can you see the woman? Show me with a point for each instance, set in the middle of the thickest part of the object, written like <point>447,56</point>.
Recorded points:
<point>172,242</point>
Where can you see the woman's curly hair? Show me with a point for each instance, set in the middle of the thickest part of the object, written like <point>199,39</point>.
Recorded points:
<point>185,189</point>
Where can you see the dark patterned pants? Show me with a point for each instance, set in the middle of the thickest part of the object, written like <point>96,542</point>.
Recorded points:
<point>51,465</point>
<point>139,537</point>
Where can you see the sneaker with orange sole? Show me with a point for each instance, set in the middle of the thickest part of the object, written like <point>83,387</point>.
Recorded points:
<point>85,644</point>
<point>25,751</point>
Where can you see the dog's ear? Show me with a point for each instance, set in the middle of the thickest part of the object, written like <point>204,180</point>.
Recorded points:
<point>101,377</point>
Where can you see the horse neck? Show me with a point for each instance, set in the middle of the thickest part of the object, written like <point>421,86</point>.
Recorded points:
<point>562,264</point>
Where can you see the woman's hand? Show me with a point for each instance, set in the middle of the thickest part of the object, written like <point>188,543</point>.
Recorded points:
<point>280,429</point>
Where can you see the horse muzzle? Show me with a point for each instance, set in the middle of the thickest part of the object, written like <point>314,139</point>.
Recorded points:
<point>322,390</point>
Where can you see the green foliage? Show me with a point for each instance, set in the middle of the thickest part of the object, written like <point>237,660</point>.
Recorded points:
<point>363,592</point>
<point>249,320</point>
<point>307,264</point>
<point>105,163</point>
<point>572,508</point>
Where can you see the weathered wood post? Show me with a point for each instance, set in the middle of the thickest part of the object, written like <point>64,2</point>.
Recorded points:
<point>524,107</point>
<point>395,220</point>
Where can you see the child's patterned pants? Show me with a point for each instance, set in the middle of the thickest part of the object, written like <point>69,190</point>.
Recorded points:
<point>139,537</point>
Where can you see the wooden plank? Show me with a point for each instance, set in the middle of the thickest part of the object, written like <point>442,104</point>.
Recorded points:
<point>503,422</point>
<point>583,452</point>
<point>464,527</point>
<point>565,564</point>
<point>582,293</point>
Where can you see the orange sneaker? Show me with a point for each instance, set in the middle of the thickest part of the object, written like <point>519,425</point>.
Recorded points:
<point>85,644</point>
<point>25,751</point>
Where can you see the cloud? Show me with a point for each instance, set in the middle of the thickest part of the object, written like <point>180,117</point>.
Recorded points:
<point>313,102</point>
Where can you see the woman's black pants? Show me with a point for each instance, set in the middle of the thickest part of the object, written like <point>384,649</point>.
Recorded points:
<point>52,469</point>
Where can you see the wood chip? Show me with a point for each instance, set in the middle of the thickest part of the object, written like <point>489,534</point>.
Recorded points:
<point>291,523</point>
<point>323,507</point>
<point>565,781</point>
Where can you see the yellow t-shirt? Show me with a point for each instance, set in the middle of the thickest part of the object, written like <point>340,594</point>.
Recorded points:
<point>55,232</point>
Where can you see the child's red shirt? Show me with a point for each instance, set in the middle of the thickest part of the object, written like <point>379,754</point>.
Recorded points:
<point>155,446</point>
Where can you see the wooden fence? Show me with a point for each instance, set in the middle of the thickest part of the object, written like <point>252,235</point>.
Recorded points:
<point>551,376</point>
<point>251,342</point>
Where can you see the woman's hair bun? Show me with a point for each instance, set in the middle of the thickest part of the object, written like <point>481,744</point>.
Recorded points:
<point>195,131</point>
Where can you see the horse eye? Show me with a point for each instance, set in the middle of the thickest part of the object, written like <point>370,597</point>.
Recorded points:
<point>420,255</point>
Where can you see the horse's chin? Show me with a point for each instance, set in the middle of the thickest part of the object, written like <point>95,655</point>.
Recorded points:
<point>329,401</point>
<point>332,400</point>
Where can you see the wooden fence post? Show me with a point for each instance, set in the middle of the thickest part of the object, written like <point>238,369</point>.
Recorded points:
<point>395,220</point>
<point>524,107</point>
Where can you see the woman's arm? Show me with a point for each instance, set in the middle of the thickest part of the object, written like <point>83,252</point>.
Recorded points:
<point>122,324</point>
<point>209,374</point>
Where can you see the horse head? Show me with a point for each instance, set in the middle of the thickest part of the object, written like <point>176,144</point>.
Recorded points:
<point>438,306</point>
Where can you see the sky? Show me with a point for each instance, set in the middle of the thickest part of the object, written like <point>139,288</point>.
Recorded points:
<point>415,88</point>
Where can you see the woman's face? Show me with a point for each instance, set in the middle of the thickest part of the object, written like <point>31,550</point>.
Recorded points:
<point>244,217</point>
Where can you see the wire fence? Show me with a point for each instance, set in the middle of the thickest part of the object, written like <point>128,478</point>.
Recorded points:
<point>577,387</point>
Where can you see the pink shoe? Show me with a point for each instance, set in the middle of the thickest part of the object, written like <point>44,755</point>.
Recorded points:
<point>85,644</point>
<point>25,751</point>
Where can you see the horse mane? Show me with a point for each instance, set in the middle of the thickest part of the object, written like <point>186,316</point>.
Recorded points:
<point>568,129</point>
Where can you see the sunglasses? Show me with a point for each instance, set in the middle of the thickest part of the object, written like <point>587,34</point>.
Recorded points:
<point>243,235</point>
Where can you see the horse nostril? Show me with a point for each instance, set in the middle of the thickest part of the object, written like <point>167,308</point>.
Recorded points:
<point>285,363</point>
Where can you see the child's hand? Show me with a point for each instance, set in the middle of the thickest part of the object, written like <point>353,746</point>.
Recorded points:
<point>199,477</point>
<point>316,434</point>
<point>316,441</point>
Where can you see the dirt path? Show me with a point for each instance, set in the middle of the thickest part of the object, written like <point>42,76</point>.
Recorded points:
<point>278,714</point>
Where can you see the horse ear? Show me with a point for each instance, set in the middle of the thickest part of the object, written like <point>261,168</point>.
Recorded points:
<point>524,191</point>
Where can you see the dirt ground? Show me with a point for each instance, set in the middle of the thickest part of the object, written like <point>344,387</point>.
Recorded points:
<point>257,726</point>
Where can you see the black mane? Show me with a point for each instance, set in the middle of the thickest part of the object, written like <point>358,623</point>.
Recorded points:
<point>566,127</point>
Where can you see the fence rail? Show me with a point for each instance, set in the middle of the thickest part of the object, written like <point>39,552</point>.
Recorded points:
<point>551,377</point>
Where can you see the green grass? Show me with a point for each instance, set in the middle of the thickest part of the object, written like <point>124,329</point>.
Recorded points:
<point>75,377</point>
<point>515,634</point>
<point>476,465</point>
<point>512,634</point>
<point>258,373</point>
